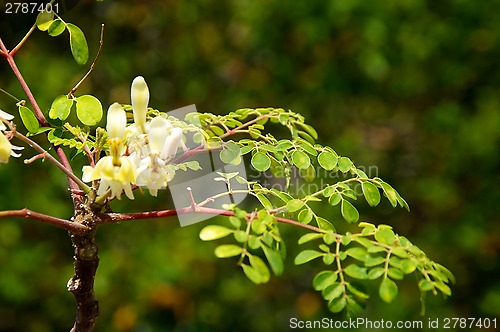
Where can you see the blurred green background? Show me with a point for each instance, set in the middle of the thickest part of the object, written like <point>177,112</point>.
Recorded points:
<point>411,87</point>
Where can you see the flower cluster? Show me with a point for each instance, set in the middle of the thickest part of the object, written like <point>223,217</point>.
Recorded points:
<point>6,148</point>
<point>138,154</point>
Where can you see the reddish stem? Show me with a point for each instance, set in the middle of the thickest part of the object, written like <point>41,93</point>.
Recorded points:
<point>73,227</point>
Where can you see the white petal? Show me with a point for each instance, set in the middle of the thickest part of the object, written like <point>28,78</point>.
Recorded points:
<point>171,144</point>
<point>6,116</point>
<point>157,133</point>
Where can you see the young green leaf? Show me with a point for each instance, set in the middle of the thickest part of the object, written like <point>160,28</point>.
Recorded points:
<point>305,216</point>
<point>388,290</point>
<point>306,256</point>
<point>88,110</point>
<point>371,193</point>
<point>324,224</point>
<point>228,250</point>
<point>425,285</point>
<point>264,201</point>
<point>29,119</point>
<point>78,44</point>
<point>337,305</point>
<point>349,212</point>
<point>214,232</point>
<point>335,199</point>
<point>261,161</point>
<point>61,107</point>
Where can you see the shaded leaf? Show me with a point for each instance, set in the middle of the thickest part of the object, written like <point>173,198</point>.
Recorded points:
<point>356,271</point>
<point>78,44</point>
<point>275,260</point>
<point>252,274</point>
<point>258,264</point>
<point>333,291</point>
<point>56,28</point>
<point>388,290</point>
<point>324,279</point>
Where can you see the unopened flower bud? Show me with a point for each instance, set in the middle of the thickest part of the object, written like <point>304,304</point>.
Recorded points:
<point>140,98</point>
<point>116,121</point>
<point>157,133</point>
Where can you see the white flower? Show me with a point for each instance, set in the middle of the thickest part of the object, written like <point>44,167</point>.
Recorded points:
<point>139,94</point>
<point>116,175</point>
<point>116,172</point>
<point>152,170</point>
<point>6,148</point>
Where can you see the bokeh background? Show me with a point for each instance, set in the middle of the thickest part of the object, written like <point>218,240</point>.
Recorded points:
<point>411,87</point>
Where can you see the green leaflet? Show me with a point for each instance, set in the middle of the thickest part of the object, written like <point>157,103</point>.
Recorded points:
<point>88,110</point>
<point>214,232</point>
<point>78,44</point>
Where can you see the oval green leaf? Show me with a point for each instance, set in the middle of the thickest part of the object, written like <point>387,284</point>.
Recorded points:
<point>294,205</point>
<point>371,193</point>
<point>214,232</point>
<point>390,193</point>
<point>275,260</point>
<point>44,20</point>
<point>29,119</point>
<point>356,271</point>
<point>337,305</point>
<point>327,160</point>
<point>228,250</point>
<point>300,159</point>
<point>388,290</point>
<point>344,164</point>
<point>258,264</point>
<point>56,28</point>
<point>385,236</point>
<point>349,212</point>
<point>88,110</point>
<point>252,274</point>
<point>324,279</point>
<point>306,256</point>
<point>333,291</point>
<point>78,44</point>
<point>261,161</point>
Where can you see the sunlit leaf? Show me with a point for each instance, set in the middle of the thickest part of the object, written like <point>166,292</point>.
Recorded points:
<point>88,110</point>
<point>300,159</point>
<point>44,20</point>
<point>294,205</point>
<point>371,193</point>
<point>29,119</point>
<point>258,264</point>
<point>327,160</point>
<point>356,271</point>
<point>228,250</point>
<point>214,232</point>
<point>56,28</point>
<point>261,162</point>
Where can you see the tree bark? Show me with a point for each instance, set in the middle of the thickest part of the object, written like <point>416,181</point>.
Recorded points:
<point>82,283</point>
